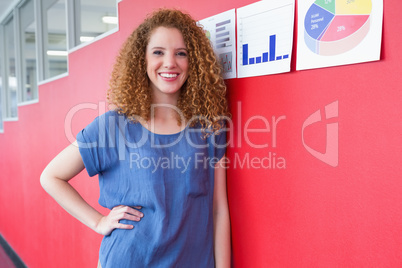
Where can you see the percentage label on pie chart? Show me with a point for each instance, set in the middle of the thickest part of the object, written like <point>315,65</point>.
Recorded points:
<point>333,27</point>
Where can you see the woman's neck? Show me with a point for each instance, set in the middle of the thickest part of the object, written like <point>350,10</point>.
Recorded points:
<point>164,114</point>
<point>165,121</point>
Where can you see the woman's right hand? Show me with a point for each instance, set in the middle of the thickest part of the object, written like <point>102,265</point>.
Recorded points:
<point>110,222</point>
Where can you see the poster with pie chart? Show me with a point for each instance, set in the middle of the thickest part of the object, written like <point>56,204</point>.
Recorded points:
<point>338,32</point>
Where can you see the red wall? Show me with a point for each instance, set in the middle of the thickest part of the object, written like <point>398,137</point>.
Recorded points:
<point>308,214</point>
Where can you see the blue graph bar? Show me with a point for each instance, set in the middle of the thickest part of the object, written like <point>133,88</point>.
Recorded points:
<point>245,54</point>
<point>272,47</point>
<point>265,57</point>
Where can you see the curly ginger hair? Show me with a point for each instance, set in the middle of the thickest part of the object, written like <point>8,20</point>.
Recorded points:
<point>203,95</point>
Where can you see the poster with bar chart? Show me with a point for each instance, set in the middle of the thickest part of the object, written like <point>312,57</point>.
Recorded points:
<point>338,32</point>
<point>265,37</point>
<point>220,29</point>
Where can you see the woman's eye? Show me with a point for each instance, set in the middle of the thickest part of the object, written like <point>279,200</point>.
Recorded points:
<point>182,54</point>
<point>158,52</point>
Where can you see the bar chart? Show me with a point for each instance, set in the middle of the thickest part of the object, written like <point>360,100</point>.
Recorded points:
<point>222,34</point>
<point>221,31</point>
<point>265,37</point>
<point>266,56</point>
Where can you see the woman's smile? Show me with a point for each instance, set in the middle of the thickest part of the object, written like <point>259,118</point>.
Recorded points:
<point>169,76</point>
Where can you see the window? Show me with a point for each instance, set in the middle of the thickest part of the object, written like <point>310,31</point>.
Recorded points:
<point>28,52</point>
<point>56,38</point>
<point>96,17</point>
<point>11,72</point>
<point>35,38</point>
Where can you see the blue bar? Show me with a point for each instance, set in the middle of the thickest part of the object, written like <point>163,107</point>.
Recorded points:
<point>265,57</point>
<point>251,61</point>
<point>222,23</point>
<point>245,54</point>
<point>272,47</point>
<point>286,56</point>
<point>222,34</point>
<point>257,59</point>
<point>279,58</point>
<point>222,40</point>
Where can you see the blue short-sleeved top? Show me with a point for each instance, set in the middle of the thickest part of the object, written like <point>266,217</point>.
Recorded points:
<point>170,176</point>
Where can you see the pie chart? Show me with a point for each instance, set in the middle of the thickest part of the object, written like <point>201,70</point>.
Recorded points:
<point>333,27</point>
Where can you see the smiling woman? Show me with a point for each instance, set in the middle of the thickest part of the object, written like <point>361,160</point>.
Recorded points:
<point>158,154</point>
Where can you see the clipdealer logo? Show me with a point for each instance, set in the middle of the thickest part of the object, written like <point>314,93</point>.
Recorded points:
<point>331,155</point>
<point>244,131</point>
<point>328,115</point>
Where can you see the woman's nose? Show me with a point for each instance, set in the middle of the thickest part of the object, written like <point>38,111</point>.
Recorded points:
<point>169,61</point>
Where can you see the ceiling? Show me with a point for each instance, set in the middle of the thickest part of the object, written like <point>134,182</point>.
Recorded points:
<point>7,5</point>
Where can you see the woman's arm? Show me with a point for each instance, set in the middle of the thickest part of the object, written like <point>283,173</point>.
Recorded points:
<point>55,180</point>
<point>221,218</point>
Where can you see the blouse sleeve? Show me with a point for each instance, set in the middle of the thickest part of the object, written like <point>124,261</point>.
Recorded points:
<point>88,142</point>
<point>95,144</point>
<point>220,143</point>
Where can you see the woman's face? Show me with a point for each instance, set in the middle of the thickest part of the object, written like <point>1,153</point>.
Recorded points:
<point>167,62</point>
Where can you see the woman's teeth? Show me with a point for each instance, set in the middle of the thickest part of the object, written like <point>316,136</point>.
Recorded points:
<point>169,75</point>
